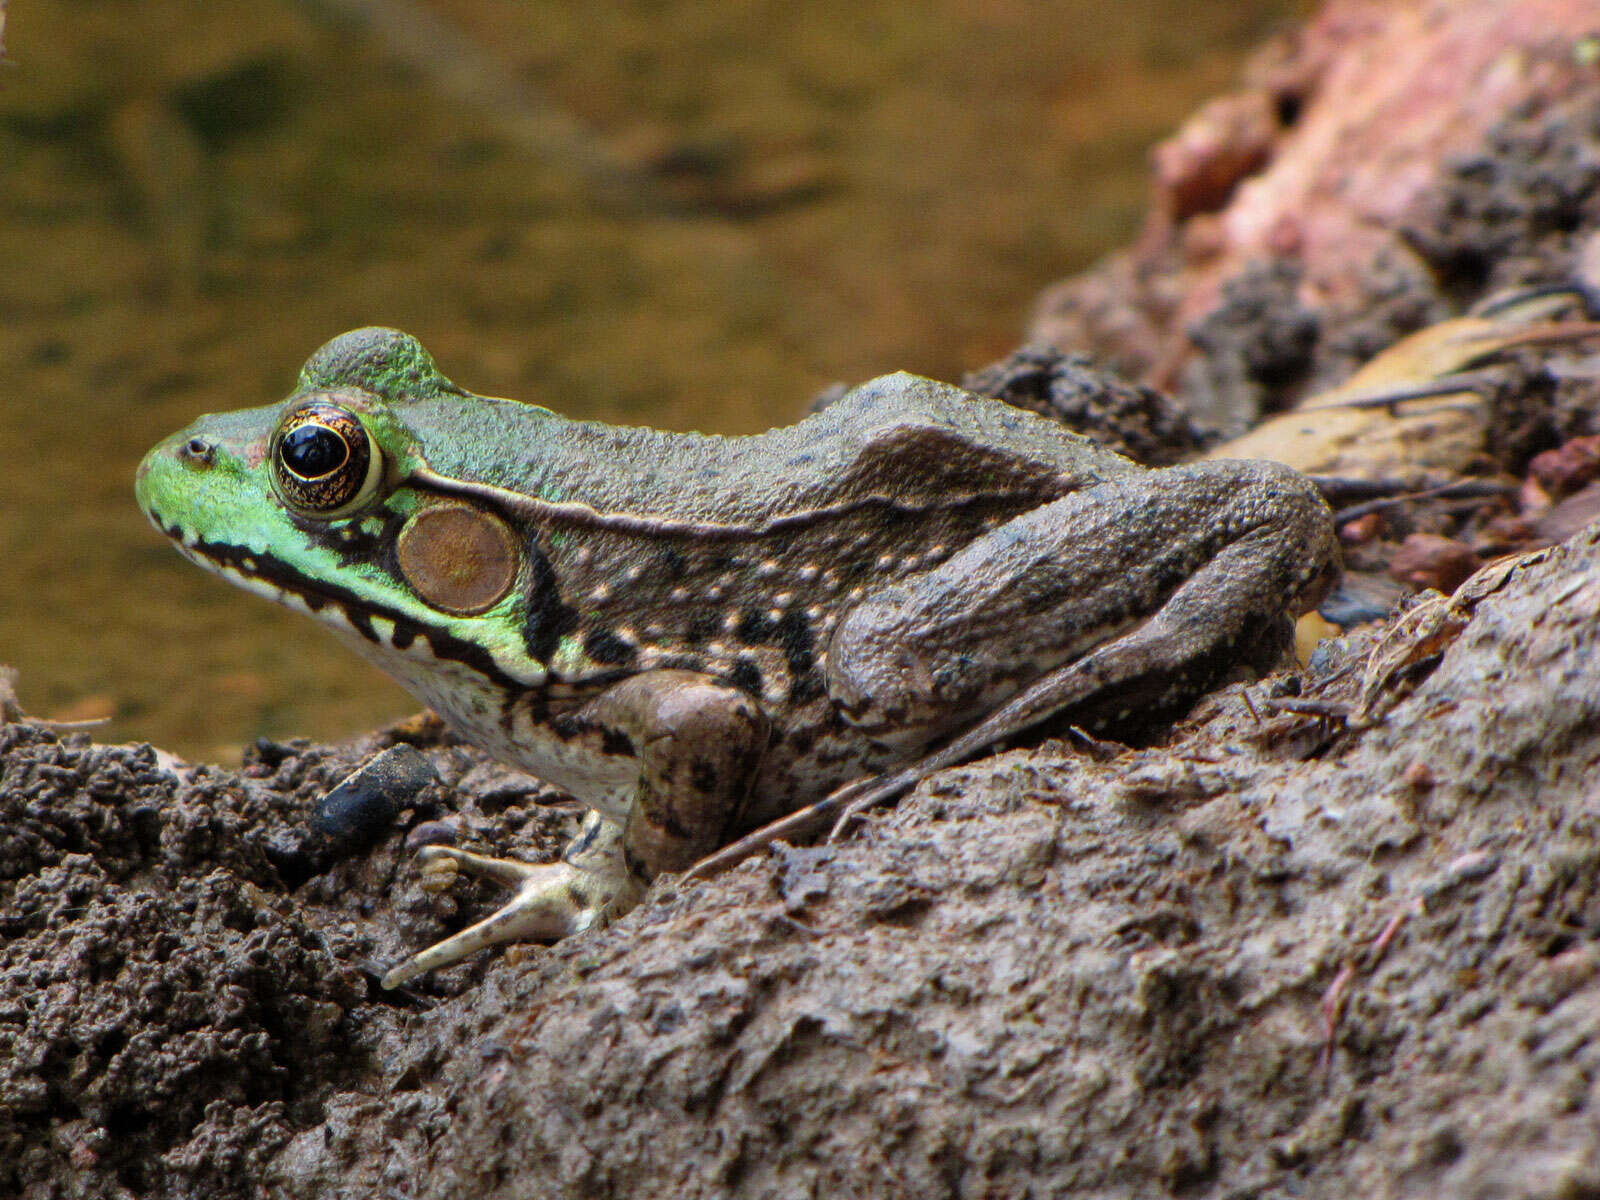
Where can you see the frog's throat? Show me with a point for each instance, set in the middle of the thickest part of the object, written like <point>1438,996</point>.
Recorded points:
<point>386,629</point>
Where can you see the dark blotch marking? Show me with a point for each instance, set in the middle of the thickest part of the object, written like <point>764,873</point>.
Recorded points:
<point>703,774</point>
<point>792,634</point>
<point>746,674</point>
<point>636,866</point>
<point>702,628</point>
<point>549,618</point>
<point>674,563</point>
<point>351,543</point>
<point>603,646</point>
<point>806,689</point>
<point>571,726</point>
<point>754,628</point>
<point>659,814</point>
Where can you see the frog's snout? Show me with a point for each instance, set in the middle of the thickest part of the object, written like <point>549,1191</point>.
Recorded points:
<point>197,452</point>
<point>154,478</point>
<point>193,451</point>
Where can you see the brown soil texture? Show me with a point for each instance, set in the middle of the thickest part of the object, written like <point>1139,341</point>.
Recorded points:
<point>1337,934</point>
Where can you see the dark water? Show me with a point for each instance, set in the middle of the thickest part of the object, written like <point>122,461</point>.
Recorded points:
<point>685,214</point>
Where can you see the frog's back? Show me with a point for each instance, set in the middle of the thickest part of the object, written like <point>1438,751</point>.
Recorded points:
<point>921,436</point>
<point>901,436</point>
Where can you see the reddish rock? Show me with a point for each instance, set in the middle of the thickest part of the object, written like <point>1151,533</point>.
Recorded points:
<point>1426,560</point>
<point>1568,467</point>
<point>1345,134</point>
<point>1361,530</point>
<point>1197,169</point>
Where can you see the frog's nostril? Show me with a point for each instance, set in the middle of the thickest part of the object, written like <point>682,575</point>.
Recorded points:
<point>197,451</point>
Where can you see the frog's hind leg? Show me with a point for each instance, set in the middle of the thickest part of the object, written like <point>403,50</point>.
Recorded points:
<point>552,900</point>
<point>1135,594</point>
<point>1168,642</point>
<point>1164,566</point>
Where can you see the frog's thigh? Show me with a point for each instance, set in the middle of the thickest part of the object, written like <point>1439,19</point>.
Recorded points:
<point>698,743</point>
<point>1227,545</point>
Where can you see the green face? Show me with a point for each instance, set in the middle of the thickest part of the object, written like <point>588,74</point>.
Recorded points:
<point>326,503</point>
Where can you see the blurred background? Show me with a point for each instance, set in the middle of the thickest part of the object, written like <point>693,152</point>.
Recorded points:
<point>669,212</point>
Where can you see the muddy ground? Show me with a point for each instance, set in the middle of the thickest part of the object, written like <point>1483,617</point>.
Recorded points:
<point>1337,934</point>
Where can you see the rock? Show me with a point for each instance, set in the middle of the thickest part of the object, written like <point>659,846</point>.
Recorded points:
<point>1418,141</point>
<point>1137,421</point>
<point>1570,466</point>
<point>363,807</point>
<point>1426,560</point>
<point>1197,169</point>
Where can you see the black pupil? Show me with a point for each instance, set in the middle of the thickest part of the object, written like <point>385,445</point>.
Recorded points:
<point>312,451</point>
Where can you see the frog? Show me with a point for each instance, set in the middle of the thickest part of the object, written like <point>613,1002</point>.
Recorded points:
<point>699,635</point>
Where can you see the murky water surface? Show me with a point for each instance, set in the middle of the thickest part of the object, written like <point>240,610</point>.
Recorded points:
<point>659,211</point>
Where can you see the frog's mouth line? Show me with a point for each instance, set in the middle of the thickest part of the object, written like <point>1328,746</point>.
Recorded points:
<point>265,574</point>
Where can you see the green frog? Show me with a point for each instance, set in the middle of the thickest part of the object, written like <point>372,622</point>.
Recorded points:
<point>697,635</point>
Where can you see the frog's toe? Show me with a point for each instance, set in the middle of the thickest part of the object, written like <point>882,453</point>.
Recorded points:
<point>552,901</point>
<point>441,864</point>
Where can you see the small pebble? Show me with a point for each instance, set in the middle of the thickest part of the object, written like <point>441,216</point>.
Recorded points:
<point>1418,776</point>
<point>443,832</point>
<point>364,806</point>
<point>1564,470</point>
<point>1426,560</point>
<point>1361,530</point>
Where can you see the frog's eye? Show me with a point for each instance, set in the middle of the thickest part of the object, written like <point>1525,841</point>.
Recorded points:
<point>324,462</point>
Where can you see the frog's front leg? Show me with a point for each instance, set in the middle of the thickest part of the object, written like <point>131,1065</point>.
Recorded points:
<point>1133,594</point>
<point>695,743</point>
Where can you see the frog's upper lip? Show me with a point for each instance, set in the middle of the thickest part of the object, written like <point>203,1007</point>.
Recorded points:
<point>251,567</point>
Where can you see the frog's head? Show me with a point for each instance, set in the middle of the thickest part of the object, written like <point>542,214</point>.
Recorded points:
<point>327,503</point>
